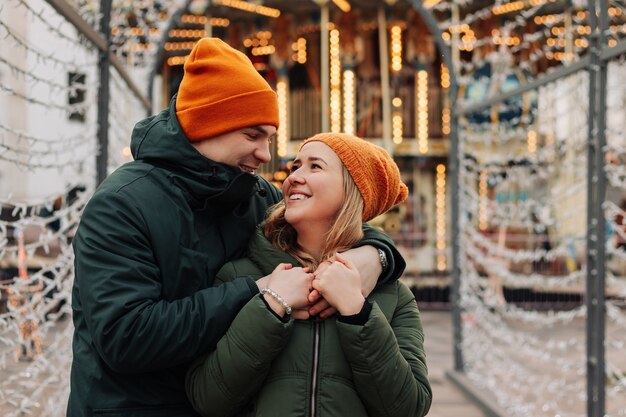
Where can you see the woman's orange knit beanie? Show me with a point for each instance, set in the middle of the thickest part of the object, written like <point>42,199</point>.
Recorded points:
<point>374,172</point>
<point>221,91</point>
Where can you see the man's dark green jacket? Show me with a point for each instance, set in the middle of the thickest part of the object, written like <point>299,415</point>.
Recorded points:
<point>147,249</point>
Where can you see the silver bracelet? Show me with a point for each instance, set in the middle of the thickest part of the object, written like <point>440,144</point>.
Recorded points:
<point>278,298</point>
<point>383,258</point>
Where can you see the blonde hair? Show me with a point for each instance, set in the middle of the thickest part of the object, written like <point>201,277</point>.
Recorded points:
<point>345,231</point>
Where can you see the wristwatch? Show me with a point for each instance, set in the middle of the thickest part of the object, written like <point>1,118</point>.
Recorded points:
<point>383,259</point>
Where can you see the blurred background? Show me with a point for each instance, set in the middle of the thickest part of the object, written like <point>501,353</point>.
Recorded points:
<point>507,119</point>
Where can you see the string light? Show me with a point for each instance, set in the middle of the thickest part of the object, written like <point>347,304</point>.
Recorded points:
<point>396,48</point>
<point>179,46</point>
<point>249,7</point>
<point>349,120</point>
<point>483,213</point>
<point>396,120</point>
<point>532,171</point>
<point>176,60</point>
<point>199,20</point>
<point>282,135</point>
<point>335,82</point>
<point>429,4</point>
<point>421,108</point>
<point>440,216</point>
<point>552,142</point>
<point>299,48</point>
<point>32,326</point>
<point>445,111</point>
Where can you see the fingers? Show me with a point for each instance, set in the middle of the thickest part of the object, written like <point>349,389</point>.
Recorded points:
<point>319,307</point>
<point>328,312</point>
<point>322,267</point>
<point>283,267</point>
<point>343,260</point>
<point>300,314</point>
<point>314,295</point>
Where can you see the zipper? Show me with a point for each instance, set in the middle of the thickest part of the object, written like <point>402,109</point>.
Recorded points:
<point>316,359</point>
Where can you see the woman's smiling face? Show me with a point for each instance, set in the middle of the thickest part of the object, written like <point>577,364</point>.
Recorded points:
<point>314,190</point>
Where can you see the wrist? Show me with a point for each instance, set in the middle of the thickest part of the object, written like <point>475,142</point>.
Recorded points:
<point>352,306</point>
<point>276,302</point>
<point>274,305</point>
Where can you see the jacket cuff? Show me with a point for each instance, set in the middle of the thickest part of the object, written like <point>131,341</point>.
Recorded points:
<point>360,318</point>
<point>254,289</point>
<point>284,319</point>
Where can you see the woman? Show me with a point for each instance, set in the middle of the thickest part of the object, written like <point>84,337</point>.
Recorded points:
<point>368,360</point>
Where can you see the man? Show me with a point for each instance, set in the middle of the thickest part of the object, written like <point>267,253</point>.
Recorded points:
<point>158,229</point>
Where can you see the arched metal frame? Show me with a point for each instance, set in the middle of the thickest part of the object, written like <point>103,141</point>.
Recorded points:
<point>595,63</point>
<point>453,160</point>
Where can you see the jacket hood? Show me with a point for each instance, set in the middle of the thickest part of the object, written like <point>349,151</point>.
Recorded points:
<point>160,140</point>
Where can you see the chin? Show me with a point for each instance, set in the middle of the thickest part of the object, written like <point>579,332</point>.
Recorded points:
<point>292,218</point>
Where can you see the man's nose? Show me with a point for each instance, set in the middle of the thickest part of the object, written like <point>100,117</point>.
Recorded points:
<point>263,153</point>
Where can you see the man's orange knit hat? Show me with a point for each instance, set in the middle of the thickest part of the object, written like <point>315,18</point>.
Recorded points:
<point>221,91</point>
<point>374,172</point>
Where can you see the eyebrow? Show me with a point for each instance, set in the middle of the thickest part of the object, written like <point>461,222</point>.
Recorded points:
<point>312,159</point>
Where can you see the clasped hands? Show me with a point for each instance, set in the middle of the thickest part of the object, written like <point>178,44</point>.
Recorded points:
<point>335,286</point>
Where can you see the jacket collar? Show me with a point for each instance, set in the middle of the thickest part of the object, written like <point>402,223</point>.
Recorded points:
<point>160,141</point>
<point>263,254</point>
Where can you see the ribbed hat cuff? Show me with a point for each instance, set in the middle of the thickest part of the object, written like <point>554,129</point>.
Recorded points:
<point>237,112</point>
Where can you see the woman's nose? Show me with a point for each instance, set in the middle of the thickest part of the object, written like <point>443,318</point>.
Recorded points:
<point>295,177</point>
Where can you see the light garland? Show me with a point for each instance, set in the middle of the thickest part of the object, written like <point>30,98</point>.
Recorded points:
<point>282,135</point>
<point>199,20</point>
<point>43,19</point>
<point>335,82</point>
<point>396,120</point>
<point>40,55</point>
<point>440,216</point>
<point>421,108</point>
<point>532,361</point>
<point>249,7</point>
<point>349,98</point>
<point>537,168</point>
<point>34,326</point>
<point>396,48</point>
<point>483,213</point>
<point>343,5</point>
<point>445,111</point>
<point>299,48</point>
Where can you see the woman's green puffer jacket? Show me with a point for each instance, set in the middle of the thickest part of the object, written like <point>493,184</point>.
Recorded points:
<point>325,368</point>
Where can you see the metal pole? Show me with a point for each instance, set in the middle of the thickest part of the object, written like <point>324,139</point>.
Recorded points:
<point>384,77</point>
<point>325,67</point>
<point>455,234</point>
<point>596,190</point>
<point>102,155</point>
<point>453,172</point>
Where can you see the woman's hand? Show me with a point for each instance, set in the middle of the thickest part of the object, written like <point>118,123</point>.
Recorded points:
<point>367,262</point>
<point>318,304</point>
<point>340,285</point>
<point>293,284</point>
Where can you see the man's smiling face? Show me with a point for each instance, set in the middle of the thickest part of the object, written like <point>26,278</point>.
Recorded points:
<point>245,148</point>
